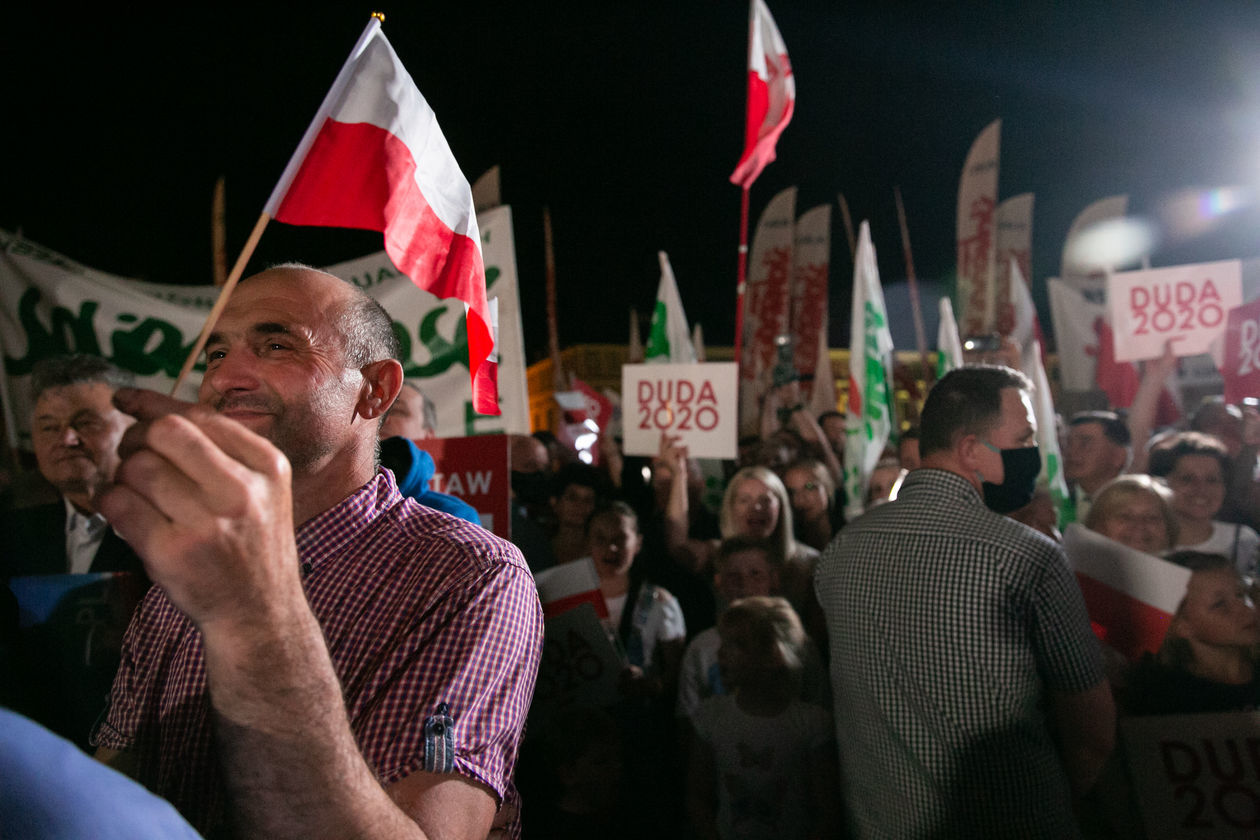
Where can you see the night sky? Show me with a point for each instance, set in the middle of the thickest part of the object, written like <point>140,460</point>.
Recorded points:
<point>627,119</point>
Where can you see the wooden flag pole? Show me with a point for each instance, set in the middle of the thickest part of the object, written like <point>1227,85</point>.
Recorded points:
<point>919,336</point>
<point>218,232</point>
<point>553,327</point>
<point>741,280</point>
<point>213,317</point>
<point>848,227</point>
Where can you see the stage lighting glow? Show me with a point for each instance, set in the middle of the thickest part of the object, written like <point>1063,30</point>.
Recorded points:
<point>1111,244</point>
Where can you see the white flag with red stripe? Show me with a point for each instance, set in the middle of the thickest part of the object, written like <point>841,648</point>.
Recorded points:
<point>1131,596</point>
<point>374,159</point>
<point>564,587</point>
<point>771,94</point>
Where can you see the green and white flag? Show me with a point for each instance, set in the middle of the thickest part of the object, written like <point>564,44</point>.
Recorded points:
<point>869,424</point>
<point>1048,435</point>
<point>1027,334</point>
<point>669,339</point>
<point>949,353</point>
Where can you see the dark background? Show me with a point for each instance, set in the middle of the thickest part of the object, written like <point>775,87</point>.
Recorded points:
<point>627,119</point>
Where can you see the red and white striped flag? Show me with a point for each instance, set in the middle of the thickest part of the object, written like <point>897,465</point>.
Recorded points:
<point>374,159</point>
<point>1131,597</point>
<point>771,94</point>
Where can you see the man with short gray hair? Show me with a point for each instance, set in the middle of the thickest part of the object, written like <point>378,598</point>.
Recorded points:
<point>67,664</point>
<point>75,430</point>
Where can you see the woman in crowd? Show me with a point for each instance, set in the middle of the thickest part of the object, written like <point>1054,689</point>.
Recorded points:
<point>813,494</point>
<point>644,618</point>
<point>1207,662</point>
<point>647,625</point>
<point>1195,466</point>
<point>756,505</point>
<point>1135,510</point>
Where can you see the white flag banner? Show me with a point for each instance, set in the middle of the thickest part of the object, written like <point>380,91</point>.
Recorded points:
<point>1025,326</point>
<point>977,235</point>
<point>1047,434</point>
<point>1076,334</point>
<point>1014,243</point>
<point>767,302</point>
<point>869,421</point>
<point>949,352</point>
<point>669,340</point>
<point>51,305</point>
<point>811,255</point>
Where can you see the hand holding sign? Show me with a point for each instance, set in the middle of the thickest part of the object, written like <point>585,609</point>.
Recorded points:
<point>1187,304</point>
<point>695,402</point>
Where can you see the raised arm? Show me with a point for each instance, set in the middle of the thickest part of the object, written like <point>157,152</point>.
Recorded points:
<point>1141,415</point>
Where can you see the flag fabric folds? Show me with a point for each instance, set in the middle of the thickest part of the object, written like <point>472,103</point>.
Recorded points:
<point>374,158</point>
<point>949,352</point>
<point>869,421</point>
<point>771,94</point>
<point>669,339</point>
<point>1027,334</point>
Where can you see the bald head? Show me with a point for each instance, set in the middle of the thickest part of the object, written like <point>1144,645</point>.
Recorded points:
<point>309,362</point>
<point>366,329</point>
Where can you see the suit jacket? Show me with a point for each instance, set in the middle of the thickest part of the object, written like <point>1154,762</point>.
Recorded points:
<point>34,543</point>
<point>58,668</point>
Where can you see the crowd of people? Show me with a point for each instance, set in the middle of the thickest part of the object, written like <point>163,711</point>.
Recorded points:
<point>297,632</point>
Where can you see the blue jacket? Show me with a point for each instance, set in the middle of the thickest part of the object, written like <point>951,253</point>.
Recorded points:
<point>413,468</point>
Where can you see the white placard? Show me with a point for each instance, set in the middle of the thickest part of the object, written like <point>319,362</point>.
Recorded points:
<point>1185,304</point>
<point>1196,775</point>
<point>579,663</point>
<point>697,402</point>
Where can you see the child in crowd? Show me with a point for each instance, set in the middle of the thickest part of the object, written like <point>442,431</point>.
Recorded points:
<point>1207,662</point>
<point>745,566</point>
<point>763,763</point>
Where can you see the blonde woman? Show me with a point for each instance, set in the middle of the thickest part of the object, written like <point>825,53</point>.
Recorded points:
<point>757,505</point>
<point>1135,510</point>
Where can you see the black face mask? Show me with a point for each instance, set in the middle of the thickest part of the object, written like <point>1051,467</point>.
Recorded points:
<point>1020,468</point>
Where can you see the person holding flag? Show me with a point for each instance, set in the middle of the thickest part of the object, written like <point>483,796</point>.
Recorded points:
<point>291,647</point>
<point>320,656</point>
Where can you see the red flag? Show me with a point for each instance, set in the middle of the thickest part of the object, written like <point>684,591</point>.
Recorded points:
<point>1118,379</point>
<point>771,94</point>
<point>374,158</point>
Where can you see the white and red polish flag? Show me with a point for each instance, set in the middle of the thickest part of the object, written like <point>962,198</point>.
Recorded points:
<point>374,159</point>
<point>1131,597</point>
<point>771,94</point>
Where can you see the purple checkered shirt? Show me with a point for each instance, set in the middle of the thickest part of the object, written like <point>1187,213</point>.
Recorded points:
<point>418,609</point>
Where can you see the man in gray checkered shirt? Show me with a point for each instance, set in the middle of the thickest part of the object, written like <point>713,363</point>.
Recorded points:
<point>969,693</point>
